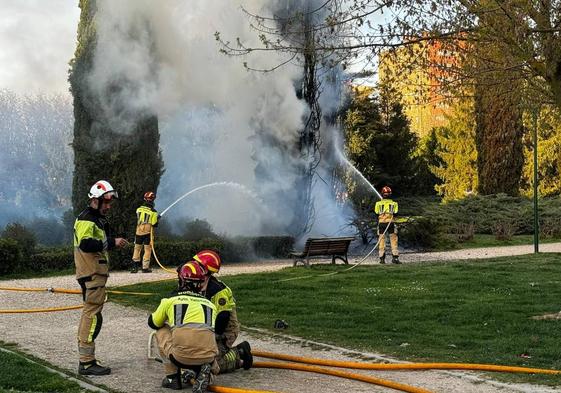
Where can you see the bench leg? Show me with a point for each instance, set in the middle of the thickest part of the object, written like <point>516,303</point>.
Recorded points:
<point>343,258</point>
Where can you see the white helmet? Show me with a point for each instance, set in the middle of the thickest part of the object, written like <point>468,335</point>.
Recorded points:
<point>102,189</point>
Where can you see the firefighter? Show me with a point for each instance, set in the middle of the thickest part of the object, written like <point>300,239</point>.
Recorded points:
<point>185,330</point>
<point>92,240</point>
<point>227,329</point>
<point>386,209</point>
<point>146,218</point>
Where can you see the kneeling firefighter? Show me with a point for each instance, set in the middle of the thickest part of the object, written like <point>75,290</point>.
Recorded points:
<point>185,331</point>
<point>227,329</point>
<point>92,240</point>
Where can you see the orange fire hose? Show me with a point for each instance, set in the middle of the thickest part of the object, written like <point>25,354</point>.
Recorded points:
<point>405,366</point>
<point>41,309</point>
<point>342,374</point>
<point>227,389</point>
<point>57,290</point>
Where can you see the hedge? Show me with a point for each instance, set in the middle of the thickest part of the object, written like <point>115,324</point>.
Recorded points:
<point>170,253</point>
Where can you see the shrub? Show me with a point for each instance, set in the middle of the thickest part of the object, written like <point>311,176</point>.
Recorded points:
<point>198,230</point>
<point>52,259</point>
<point>11,256</point>
<point>22,235</point>
<point>464,231</point>
<point>420,232</point>
<point>504,229</point>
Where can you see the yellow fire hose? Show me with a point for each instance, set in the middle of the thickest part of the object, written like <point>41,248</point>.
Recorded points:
<point>156,257</point>
<point>342,374</point>
<point>405,366</point>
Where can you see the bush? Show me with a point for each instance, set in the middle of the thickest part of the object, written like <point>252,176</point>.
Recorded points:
<point>420,232</point>
<point>48,232</point>
<point>52,259</point>
<point>198,230</point>
<point>23,236</point>
<point>11,256</point>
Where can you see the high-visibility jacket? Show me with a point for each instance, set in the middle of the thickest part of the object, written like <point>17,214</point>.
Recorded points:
<point>227,324</point>
<point>186,308</point>
<point>191,318</point>
<point>146,218</point>
<point>385,209</point>
<point>92,240</point>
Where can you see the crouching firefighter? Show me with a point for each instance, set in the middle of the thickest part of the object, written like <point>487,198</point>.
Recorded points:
<point>185,331</point>
<point>92,240</point>
<point>227,329</point>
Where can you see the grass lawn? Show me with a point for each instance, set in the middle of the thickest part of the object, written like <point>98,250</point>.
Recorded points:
<point>468,312</point>
<point>36,274</point>
<point>19,375</point>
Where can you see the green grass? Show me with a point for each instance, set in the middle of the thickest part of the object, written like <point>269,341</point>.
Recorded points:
<point>468,312</point>
<point>19,375</point>
<point>480,240</point>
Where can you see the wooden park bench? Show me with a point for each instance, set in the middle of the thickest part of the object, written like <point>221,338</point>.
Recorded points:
<point>335,247</point>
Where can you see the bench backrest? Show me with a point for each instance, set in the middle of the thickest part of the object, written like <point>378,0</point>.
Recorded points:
<point>327,246</point>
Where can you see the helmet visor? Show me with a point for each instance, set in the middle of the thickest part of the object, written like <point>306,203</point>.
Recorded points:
<point>109,196</point>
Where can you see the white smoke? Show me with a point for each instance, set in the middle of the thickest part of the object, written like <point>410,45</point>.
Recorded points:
<point>38,39</point>
<point>35,156</point>
<point>209,106</point>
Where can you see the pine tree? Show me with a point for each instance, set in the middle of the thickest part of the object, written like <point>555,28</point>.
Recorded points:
<point>131,161</point>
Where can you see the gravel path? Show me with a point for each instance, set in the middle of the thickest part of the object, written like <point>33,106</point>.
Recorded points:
<point>122,343</point>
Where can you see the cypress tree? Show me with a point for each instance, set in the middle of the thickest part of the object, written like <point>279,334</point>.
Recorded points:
<point>498,137</point>
<point>131,161</point>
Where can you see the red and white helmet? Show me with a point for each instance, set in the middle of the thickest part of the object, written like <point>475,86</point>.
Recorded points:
<point>386,191</point>
<point>191,276</point>
<point>209,259</point>
<point>149,196</point>
<point>103,190</point>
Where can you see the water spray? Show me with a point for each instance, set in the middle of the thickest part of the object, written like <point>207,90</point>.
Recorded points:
<point>344,159</point>
<point>240,187</point>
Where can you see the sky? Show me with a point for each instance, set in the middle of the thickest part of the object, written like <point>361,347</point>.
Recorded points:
<point>37,40</point>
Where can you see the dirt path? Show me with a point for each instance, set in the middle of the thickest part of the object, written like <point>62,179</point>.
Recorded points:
<point>122,343</point>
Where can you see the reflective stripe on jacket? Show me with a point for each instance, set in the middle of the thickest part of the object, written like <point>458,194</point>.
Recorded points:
<point>385,209</point>
<point>186,309</point>
<point>91,242</point>
<point>146,218</point>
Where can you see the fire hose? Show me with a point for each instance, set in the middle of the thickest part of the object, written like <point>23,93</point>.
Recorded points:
<point>58,290</point>
<point>405,366</point>
<point>342,374</point>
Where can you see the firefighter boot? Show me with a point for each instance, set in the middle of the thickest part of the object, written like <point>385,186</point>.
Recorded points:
<point>395,259</point>
<point>93,368</point>
<point>147,270</point>
<point>203,379</point>
<point>244,349</point>
<point>383,259</point>
<point>171,382</point>
<point>188,377</point>
<point>134,268</point>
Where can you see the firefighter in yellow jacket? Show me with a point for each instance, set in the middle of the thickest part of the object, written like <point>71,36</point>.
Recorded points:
<point>185,330</point>
<point>227,329</point>
<point>386,209</point>
<point>146,219</point>
<point>92,240</point>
